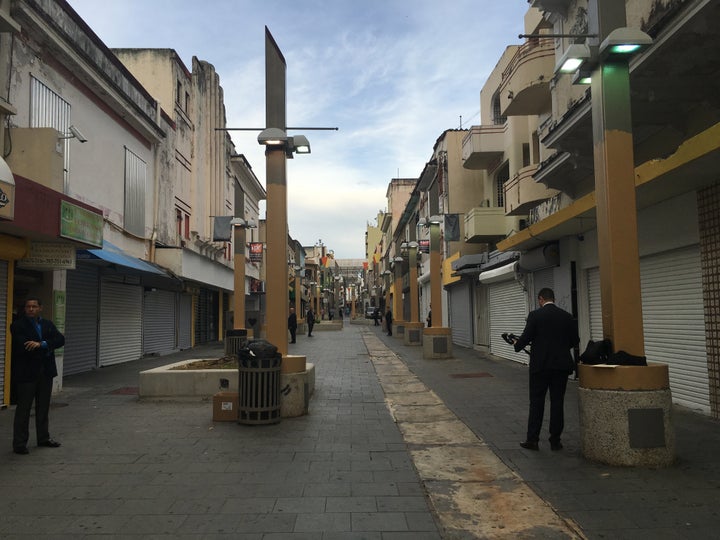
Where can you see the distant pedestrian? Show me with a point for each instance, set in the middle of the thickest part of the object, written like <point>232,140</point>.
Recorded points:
<point>292,324</point>
<point>388,322</point>
<point>310,318</point>
<point>34,341</point>
<point>551,332</point>
<point>428,320</point>
<point>377,316</point>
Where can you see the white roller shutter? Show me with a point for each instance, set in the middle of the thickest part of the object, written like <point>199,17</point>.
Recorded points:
<point>3,326</point>
<point>460,313</point>
<point>184,321</point>
<point>159,322</point>
<point>542,279</point>
<point>508,313</point>
<point>81,324</point>
<point>120,323</point>
<point>673,320</point>
<point>594,304</point>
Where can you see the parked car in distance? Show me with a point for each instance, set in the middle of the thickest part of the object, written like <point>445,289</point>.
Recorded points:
<point>370,312</point>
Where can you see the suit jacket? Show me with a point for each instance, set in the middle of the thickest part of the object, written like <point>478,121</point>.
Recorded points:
<point>551,332</point>
<point>292,321</point>
<point>29,366</point>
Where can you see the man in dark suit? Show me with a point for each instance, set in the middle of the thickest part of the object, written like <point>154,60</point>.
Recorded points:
<point>551,332</point>
<point>34,341</point>
<point>310,319</point>
<point>292,324</point>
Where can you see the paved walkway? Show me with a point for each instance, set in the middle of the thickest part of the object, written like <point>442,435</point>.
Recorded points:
<point>394,447</point>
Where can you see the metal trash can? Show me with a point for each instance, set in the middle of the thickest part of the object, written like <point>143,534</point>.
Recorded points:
<point>259,383</point>
<point>235,340</point>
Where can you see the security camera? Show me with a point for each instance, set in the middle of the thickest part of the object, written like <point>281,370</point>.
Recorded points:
<point>77,134</point>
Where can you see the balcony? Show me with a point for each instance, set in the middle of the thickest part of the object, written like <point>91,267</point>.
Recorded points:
<point>522,192</point>
<point>489,224</point>
<point>483,147</point>
<point>525,87</point>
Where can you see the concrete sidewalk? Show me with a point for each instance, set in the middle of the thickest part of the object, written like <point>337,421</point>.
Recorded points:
<point>394,447</point>
<point>489,395</point>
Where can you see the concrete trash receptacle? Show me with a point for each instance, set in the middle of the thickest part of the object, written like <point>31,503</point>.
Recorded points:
<point>259,364</point>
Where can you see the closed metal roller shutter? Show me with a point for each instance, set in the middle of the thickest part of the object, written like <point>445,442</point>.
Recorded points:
<point>159,322</point>
<point>542,279</point>
<point>594,303</point>
<point>81,320</point>
<point>184,321</point>
<point>508,313</point>
<point>120,323</point>
<point>673,320</point>
<point>460,313</point>
<point>3,327</point>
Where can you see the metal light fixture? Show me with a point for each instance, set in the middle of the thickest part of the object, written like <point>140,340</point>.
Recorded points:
<point>574,56</point>
<point>300,144</point>
<point>624,41</point>
<point>422,222</point>
<point>435,220</point>
<point>272,137</point>
<point>413,244</point>
<point>240,222</point>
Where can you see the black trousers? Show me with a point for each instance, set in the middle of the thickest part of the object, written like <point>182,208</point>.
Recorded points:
<point>556,382</point>
<point>292,334</point>
<point>27,392</point>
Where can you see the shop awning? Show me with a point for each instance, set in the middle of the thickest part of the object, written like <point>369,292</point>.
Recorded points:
<point>112,254</point>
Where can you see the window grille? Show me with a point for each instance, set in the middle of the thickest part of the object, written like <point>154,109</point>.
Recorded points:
<point>135,178</point>
<point>49,110</point>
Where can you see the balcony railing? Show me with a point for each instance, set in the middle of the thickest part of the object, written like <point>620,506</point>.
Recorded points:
<point>525,87</point>
<point>483,147</point>
<point>522,192</point>
<point>489,224</point>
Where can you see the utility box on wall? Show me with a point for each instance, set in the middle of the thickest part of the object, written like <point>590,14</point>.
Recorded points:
<point>37,154</point>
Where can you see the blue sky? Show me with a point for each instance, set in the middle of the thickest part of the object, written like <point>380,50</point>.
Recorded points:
<point>392,75</point>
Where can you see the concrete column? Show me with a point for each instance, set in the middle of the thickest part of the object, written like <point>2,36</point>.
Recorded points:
<point>414,328</point>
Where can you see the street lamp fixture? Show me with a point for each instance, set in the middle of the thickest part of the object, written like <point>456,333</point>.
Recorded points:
<point>245,224</point>
<point>435,220</point>
<point>276,137</point>
<point>624,41</point>
<point>574,56</point>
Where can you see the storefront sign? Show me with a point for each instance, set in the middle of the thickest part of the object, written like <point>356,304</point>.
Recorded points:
<point>47,256</point>
<point>256,252</point>
<point>77,223</point>
<point>7,200</point>
<point>424,246</point>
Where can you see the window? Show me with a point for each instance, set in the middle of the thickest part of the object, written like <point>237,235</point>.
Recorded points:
<point>135,179</point>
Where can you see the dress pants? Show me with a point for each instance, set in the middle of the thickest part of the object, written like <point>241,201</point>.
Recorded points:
<point>292,335</point>
<point>540,383</point>
<point>27,392</point>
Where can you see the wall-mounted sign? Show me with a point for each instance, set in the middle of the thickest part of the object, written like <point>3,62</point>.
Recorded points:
<point>7,199</point>
<point>424,246</point>
<point>77,223</point>
<point>256,252</point>
<point>48,256</point>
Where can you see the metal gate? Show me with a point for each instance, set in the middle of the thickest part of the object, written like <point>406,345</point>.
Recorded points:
<point>120,323</point>
<point>184,321</point>
<point>461,313</point>
<point>159,322</point>
<point>541,279</point>
<point>3,327</point>
<point>508,313</point>
<point>673,320</point>
<point>81,324</point>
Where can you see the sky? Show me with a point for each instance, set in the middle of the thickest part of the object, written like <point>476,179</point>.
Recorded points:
<point>391,75</point>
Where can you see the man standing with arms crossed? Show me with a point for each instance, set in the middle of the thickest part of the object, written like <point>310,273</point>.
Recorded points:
<point>34,341</point>
<point>551,332</point>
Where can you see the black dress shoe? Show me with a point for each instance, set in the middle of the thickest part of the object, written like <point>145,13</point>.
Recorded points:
<point>21,450</point>
<point>530,445</point>
<point>50,443</point>
<point>556,445</point>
